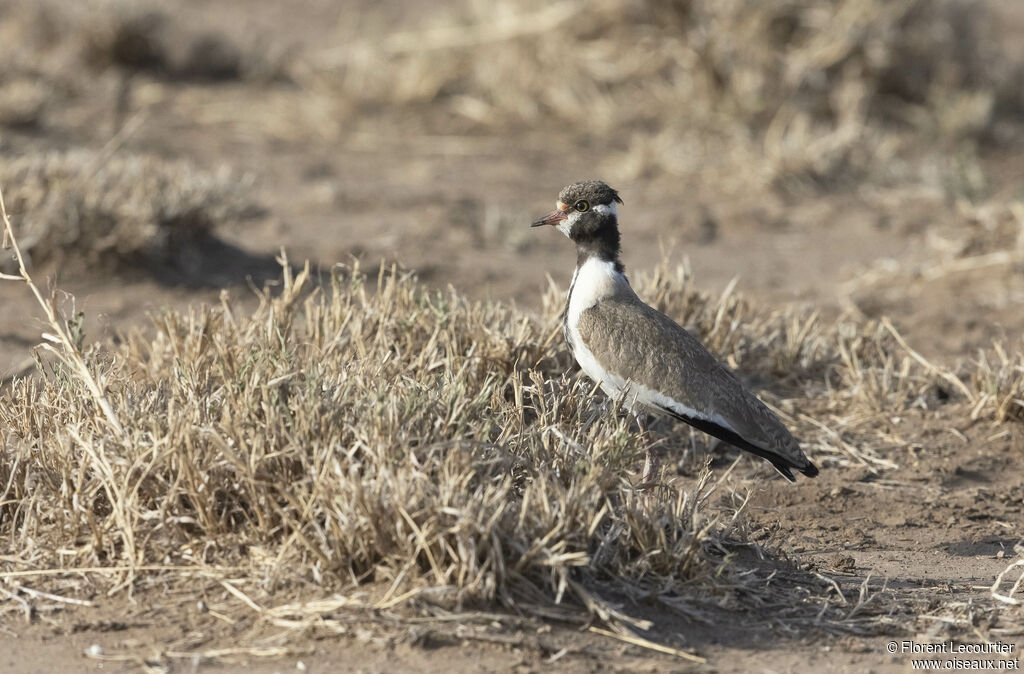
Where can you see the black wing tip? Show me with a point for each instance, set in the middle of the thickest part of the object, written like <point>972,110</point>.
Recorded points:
<point>783,466</point>
<point>780,463</point>
<point>784,471</point>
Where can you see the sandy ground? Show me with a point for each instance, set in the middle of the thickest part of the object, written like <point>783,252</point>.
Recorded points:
<point>943,524</point>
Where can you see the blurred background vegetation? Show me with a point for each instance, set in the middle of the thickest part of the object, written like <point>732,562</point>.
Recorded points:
<point>833,151</point>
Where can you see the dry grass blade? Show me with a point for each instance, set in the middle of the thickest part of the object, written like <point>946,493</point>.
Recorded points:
<point>52,597</point>
<point>238,652</point>
<point>650,645</point>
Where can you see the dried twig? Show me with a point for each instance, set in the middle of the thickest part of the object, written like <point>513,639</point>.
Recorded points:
<point>1008,597</point>
<point>69,351</point>
<point>649,645</point>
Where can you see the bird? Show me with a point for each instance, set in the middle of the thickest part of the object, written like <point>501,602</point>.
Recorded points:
<point>639,355</point>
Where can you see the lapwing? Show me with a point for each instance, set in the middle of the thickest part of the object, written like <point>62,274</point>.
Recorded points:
<point>641,356</point>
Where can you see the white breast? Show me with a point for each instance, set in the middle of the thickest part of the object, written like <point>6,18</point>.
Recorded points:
<point>592,282</point>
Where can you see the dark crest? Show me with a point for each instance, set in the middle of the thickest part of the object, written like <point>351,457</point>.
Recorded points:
<point>594,191</point>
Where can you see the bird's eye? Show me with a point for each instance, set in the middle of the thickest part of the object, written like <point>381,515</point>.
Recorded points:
<point>581,205</point>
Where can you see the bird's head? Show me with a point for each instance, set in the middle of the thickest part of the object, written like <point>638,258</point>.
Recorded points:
<point>586,211</point>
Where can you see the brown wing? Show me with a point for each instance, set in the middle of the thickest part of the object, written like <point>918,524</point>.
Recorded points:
<point>643,345</point>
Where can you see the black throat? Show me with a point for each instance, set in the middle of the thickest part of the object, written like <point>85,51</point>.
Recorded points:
<point>602,243</point>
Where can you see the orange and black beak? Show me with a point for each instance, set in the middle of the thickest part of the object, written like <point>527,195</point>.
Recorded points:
<point>554,217</point>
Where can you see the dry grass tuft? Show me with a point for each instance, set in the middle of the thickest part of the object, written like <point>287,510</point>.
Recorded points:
<point>85,206</point>
<point>55,38</point>
<point>145,37</point>
<point>399,439</point>
<point>22,100</point>
<point>998,377</point>
<point>988,235</point>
